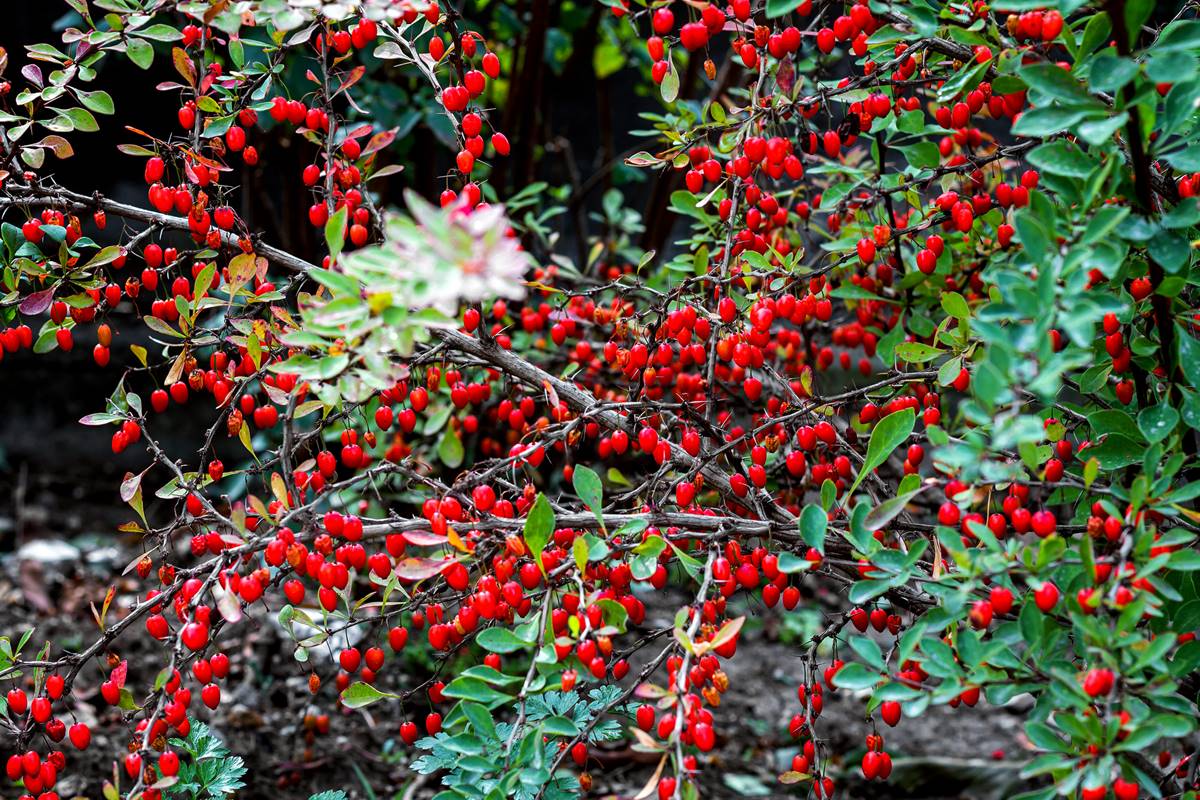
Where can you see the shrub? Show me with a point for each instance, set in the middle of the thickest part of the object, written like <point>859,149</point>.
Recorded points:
<point>927,337</point>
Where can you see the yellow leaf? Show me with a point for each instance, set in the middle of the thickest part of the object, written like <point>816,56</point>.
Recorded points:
<point>457,543</point>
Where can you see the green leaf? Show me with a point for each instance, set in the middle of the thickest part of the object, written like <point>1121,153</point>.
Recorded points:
<point>204,281</point>
<point>1031,234</point>
<point>888,510</point>
<point>955,305</point>
<point>1117,451</point>
<point>608,58</point>
<point>855,676</point>
<point>159,326</point>
<point>1054,81</point>
<point>82,119</point>
<point>669,88</point>
<point>1110,72</point>
<point>590,489</point>
<point>539,527</point>
<point>140,52</point>
<point>1060,158</point>
<point>579,550</point>
<point>1095,33</point>
<point>160,33</point>
<point>1184,561</point>
<point>450,449</point>
<point>1113,420</point>
<point>916,353</point>
<point>813,523</point>
<point>1181,35</point>
<point>1181,495</point>
<point>100,102</point>
<point>1098,131</point>
<point>886,349</point>
<point>777,8</point>
<point>559,726</point>
<point>869,651</point>
<point>690,564</point>
<point>1049,120</point>
<point>964,80</point>
<point>465,688</point>
<point>1043,736</point>
<point>335,232</point>
<point>1170,249</point>
<point>922,155</point>
<point>360,694</point>
<point>889,433</point>
<point>1189,355</point>
<point>501,640</point>
<point>790,563</point>
<point>1157,422</point>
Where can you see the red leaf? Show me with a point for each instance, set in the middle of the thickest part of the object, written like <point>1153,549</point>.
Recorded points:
<point>418,569</point>
<point>423,538</point>
<point>184,65</point>
<point>379,141</point>
<point>37,302</point>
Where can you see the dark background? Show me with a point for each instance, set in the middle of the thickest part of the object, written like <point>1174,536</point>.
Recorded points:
<point>567,128</point>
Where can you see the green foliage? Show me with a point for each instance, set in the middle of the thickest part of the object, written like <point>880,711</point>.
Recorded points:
<point>485,758</point>
<point>206,767</point>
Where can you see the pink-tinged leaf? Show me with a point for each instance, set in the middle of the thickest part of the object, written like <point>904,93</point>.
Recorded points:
<point>228,605</point>
<point>130,485</point>
<point>379,141</point>
<point>419,569</point>
<point>277,395</point>
<point>119,674</point>
<point>208,162</point>
<point>423,538</point>
<point>58,145</point>
<point>727,632</point>
<point>786,76</point>
<point>650,691</point>
<point>391,169</point>
<point>100,418</point>
<point>33,74</point>
<point>37,302</point>
<point>354,77</point>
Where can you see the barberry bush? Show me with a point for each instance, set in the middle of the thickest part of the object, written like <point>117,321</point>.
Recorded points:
<point>921,335</point>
